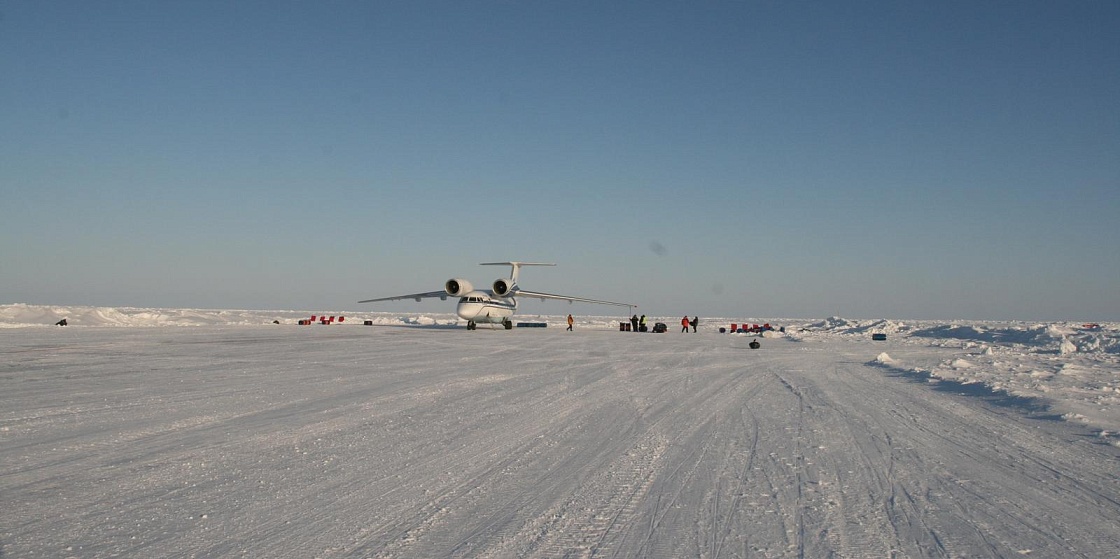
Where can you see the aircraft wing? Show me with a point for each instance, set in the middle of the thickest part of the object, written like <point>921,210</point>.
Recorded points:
<point>570,299</point>
<point>417,296</point>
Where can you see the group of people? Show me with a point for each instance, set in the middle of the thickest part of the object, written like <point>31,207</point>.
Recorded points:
<point>638,324</point>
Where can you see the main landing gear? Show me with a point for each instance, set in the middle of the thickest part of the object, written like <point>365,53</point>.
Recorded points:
<point>471,325</point>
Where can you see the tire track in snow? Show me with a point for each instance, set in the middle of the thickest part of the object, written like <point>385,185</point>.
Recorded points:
<point>299,443</point>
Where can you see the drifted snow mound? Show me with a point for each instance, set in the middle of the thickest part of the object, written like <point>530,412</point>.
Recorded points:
<point>831,323</point>
<point>1032,335</point>
<point>1059,338</point>
<point>884,359</point>
<point>1107,341</point>
<point>421,320</point>
<point>22,316</point>
<point>837,325</point>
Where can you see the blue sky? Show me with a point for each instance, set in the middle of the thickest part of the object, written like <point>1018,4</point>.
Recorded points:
<point>759,159</point>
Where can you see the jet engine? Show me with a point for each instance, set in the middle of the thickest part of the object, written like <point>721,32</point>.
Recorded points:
<point>456,287</point>
<point>502,287</point>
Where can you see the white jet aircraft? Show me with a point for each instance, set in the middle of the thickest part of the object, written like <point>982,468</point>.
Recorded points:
<point>495,306</point>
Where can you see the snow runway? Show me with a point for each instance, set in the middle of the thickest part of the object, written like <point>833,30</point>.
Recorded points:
<point>388,441</point>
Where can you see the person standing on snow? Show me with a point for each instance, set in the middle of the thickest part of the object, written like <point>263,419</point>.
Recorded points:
<point>571,321</point>
<point>684,323</point>
<point>634,323</point>
<point>695,321</point>
<point>642,324</point>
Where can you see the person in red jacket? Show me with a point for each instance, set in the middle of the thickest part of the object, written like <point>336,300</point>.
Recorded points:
<point>684,324</point>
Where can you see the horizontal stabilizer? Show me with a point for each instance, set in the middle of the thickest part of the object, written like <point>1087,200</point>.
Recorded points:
<point>516,266</point>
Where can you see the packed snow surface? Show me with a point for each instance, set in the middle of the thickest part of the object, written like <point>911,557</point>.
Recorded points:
<point>217,433</point>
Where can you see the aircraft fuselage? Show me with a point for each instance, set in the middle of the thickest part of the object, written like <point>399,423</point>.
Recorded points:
<point>481,307</point>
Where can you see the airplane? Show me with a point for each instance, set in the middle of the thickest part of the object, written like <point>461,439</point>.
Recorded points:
<point>496,305</point>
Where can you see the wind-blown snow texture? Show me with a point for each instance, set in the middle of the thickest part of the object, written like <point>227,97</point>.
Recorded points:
<point>416,438</point>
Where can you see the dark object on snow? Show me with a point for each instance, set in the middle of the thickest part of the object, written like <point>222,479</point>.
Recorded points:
<point>722,330</point>
<point>623,326</point>
<point>879,337</point>
<point>754,344</point>
<point>61,323</point>
<point>276,322</point>
<point>532,325</point>
<point>659,328</point>
<point>369,323</point>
